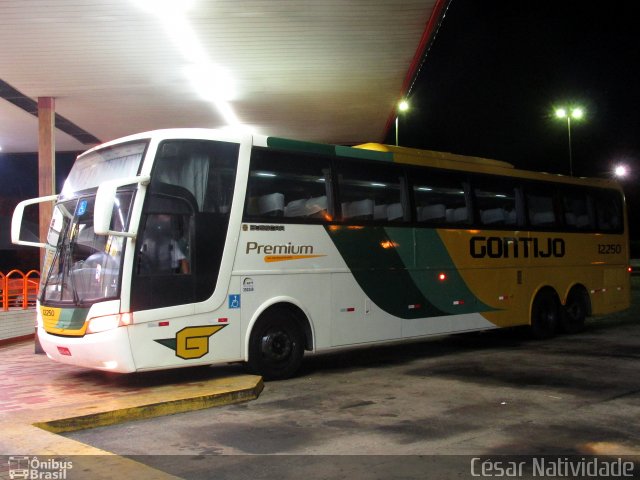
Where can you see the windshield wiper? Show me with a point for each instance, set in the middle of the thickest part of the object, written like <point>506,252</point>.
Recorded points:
<point>72,279</point>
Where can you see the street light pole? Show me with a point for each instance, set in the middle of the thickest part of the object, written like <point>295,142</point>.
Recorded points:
<point>570,155</point>
<point>577,113</point>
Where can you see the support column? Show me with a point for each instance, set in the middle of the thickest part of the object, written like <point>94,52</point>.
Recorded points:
<point>46,162</point>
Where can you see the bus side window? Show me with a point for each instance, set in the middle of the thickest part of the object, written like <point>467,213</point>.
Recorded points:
<point>371,192</point>
<point>578,213</point>
<point>205,168</point>
<point>608,210</point>
<point>540,207</point>
<point>495,202</point>
<point>288,186</point>
<point>440,197</point>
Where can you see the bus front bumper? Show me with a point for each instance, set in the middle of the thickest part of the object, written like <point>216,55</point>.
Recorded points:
<point>108,351</point>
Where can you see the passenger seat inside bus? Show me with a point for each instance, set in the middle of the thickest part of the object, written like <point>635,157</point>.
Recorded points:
<point>271,205</point>
<point>315,207</point>
<point>432,213</point>
<point>395,212</point>
<point>493,216</point>
<point>577,221</point>
<point>457,215</point>
<point>358,210</point>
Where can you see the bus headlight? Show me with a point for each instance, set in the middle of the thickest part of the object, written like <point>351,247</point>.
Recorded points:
<point>109,322</point>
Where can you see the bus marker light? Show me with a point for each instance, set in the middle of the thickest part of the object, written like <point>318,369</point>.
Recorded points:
<point>442,277</point>
<point>125,319</point>
<point>64,351</point>
<point>163,324</point>
<point>458,302</point>
<point>415,306</point>
<point>348,310</point>
<point>223,320</point>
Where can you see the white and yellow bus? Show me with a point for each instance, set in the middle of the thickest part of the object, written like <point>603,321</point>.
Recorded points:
<point>185,247</point>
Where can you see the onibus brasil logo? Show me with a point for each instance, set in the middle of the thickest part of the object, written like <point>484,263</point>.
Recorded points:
<point>34,468</point>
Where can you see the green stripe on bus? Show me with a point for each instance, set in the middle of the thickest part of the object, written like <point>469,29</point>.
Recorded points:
<point>363,154</point>
<point>296,145</point>
<point>380,271</point>
<point>424,255</point>
<point>72,318</point>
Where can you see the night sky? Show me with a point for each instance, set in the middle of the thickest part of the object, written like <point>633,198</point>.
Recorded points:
<point>497,69</point>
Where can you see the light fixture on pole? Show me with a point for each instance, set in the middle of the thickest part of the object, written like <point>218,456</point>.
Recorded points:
<point>403,106</point>
<point>576,113</point>
<point>621,171</point>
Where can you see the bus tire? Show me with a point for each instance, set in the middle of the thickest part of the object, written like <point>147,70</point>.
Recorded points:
<point>575,311</point>
<point>276,345</point>
<point>545,315</point>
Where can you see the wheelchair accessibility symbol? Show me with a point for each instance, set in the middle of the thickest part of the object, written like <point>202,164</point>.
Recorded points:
<point>234,301</point>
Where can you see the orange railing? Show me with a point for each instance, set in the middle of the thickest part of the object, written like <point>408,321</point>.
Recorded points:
<point>18,289</point>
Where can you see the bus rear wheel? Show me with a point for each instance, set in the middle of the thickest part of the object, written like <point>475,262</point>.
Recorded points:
<point>545,314</point>
<point>575,311</point>
<point>276,345</point>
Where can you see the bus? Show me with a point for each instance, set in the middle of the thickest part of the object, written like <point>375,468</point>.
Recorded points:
<point>185,247</point>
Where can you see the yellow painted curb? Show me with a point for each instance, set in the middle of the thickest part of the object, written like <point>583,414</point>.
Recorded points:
<point>21,437</point>
<point>208,394</point>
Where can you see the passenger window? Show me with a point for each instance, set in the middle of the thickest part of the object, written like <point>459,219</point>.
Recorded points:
<point>371,192</point>
<point>540,207</point>
<point>441,198</point>
<point>291,186</point>
<point>205,169</point>
<point>577,210</point>
<point>495,201</point>
<point>608,211</point>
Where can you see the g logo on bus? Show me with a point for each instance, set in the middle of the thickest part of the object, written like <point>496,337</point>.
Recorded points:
<point>191,342</point>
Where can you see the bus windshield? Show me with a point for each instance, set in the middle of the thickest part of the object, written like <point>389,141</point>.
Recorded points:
<point>93,168</point>
<point>85,267</point>
<point>81,267</point>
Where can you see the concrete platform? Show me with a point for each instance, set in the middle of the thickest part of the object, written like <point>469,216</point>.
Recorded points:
<point>39,398</point>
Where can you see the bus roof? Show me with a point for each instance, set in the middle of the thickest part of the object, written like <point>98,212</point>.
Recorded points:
<point>414,156</point>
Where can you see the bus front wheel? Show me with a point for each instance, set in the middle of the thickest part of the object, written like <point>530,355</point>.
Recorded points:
<point>545,314</point>
<point>276,345</point>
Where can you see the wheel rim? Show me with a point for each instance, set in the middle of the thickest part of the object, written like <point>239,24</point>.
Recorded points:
<point>574,311</point>
<point>276,346</point>
<point>549,314</point>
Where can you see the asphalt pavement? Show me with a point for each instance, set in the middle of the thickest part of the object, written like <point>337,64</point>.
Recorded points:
<point>406,410</point>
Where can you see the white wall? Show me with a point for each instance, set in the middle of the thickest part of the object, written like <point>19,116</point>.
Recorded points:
<point>17,323</point>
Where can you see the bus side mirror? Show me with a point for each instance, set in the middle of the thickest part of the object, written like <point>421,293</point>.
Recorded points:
<point>105,202</point>
<point>16,220</point>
